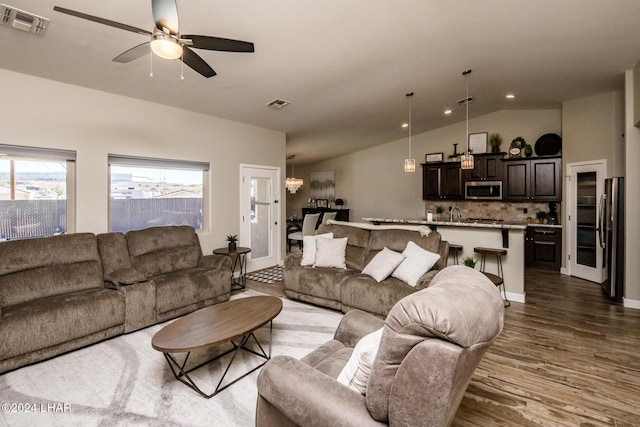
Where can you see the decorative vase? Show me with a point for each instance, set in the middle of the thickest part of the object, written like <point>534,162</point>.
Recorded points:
<point>232,246</point>
<point>495,149</point>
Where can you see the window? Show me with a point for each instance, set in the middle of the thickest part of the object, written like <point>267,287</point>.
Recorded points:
<point>152,192</point>
<point>36,192</point>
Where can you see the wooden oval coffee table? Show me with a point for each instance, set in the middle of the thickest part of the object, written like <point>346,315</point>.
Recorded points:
<point>229,321</point>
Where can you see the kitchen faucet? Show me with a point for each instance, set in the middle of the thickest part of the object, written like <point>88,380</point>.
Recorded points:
<point>457,209</point>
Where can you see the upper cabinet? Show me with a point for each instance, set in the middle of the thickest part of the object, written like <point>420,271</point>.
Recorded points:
<point>536,179</point>
<point>441,180</point>
<point>487,167</point>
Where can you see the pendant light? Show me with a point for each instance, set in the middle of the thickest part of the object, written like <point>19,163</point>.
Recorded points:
<point>410,163</point>
<point>293,184</point>
<point>466,160</point>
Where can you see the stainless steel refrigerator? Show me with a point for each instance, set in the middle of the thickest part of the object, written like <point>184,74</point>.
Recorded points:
<point>611,233</point>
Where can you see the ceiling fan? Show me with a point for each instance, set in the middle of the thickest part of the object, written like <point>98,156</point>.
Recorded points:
<point>166,40</point>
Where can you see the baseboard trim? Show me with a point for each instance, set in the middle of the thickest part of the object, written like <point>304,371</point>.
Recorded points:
<point>516,297</point>
<point>631,303</point>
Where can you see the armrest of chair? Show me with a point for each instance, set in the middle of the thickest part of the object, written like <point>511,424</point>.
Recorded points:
<point>308,397</point>
<point>292,260</point>
<point>215,261</point>
<point>355,325</point>
<point>124,277</point>
<point>425,280</point>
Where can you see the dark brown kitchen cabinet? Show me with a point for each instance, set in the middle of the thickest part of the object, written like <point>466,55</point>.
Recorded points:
<point>441,180</point>
<point>543,247</point>
<point>486,167</point>
<point>536,179</point>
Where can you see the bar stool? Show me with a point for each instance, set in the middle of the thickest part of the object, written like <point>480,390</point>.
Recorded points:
<point>454,249</point>
<point>498,279</point>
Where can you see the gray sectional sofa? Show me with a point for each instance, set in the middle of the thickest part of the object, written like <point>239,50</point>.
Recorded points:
<point>346,289</point>
<point>61,293</point>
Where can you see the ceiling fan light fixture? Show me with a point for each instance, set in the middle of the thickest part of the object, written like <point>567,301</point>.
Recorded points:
<point>166,48</point>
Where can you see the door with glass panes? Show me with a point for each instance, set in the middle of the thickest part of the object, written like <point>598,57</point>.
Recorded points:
<point>259,228</point>
<point>586,185</point>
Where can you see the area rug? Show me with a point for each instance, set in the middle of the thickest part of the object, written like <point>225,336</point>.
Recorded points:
<point>125,382</point>
<point>268,275</point>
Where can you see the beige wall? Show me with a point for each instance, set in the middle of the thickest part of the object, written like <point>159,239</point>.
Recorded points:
<point>632,193</point>
<point>43,113</point>
<point>373,182</point>
<point>593,128</point>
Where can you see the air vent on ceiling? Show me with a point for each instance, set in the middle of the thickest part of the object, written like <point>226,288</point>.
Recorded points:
<point>465,101</point>
<point>21,20</point>
<point>278,103</point>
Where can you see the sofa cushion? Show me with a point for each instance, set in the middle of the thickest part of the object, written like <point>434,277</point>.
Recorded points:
<point>383,264</point>
<point>50,321</point>
<point>355,373</point>
<point>331,252</point>
<point>417,262</point>
<point>309,248</point>
<point>39,268</point>
<point>185,287</point>
<point>363,292</point>
<point>396,240</point>
<point>160,250</point>
<point>114,252</point>
<point>357,246</point>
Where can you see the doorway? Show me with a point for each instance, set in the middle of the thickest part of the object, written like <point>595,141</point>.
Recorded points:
<point>259,215</point>
<point>585,188</point>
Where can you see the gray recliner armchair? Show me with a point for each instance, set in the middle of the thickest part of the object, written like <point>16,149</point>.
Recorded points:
<point>432,342</point>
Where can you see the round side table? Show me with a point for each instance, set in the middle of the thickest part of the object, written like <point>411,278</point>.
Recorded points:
<point>239,258</point>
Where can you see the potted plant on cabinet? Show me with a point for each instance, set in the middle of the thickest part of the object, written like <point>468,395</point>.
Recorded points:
<point>232,239</point>
<point>528,151</point>
<point>495,140</point>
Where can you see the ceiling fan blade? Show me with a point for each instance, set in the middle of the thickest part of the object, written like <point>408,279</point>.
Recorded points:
<point>198,64</point>
<point>102,21</point>
<point>133,53</point>
<point>165,15</point>
<point>217,43</point>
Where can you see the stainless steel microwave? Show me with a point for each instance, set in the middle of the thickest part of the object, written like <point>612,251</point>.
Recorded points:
<point>483,190</point>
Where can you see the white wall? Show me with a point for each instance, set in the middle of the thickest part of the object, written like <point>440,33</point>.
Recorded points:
<point>373,182</point>
<point>44,113</point>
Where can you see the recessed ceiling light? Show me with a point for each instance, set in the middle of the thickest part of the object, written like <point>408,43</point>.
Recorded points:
<point>405,125</point>
<point>510,96</point>
<point>447,112</point>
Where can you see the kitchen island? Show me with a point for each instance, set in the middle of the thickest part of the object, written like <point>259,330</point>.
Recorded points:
<point>482,233</point>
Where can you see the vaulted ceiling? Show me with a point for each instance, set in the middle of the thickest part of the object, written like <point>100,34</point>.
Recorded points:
<point>344,65</point>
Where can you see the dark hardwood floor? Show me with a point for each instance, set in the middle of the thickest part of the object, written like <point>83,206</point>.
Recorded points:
<point>568,357</point>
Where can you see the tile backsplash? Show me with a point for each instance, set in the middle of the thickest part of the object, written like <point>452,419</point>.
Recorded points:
<point>499,210</point>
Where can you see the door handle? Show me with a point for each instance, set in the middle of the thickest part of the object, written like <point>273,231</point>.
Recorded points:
<point>601,221</point>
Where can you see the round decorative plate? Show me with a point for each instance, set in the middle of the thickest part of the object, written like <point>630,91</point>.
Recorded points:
<point>548,144</point>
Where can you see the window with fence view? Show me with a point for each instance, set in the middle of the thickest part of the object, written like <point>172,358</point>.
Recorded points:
<point>33,192</point>
<point>148,193</point>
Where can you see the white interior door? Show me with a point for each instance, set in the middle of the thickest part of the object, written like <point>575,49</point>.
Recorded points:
<point>260,213</point>
<point>585,188</point>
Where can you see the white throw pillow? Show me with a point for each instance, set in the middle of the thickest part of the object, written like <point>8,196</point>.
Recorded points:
<point>355,373</point>
<point>383,264</point>
<point>331,252</point>
<point>309,248</point>
<point>417,262</point>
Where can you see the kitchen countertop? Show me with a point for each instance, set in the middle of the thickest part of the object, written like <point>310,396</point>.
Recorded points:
<point>474,224</point>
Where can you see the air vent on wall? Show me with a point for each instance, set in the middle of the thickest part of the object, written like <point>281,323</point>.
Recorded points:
<point>21,20</point>
<point>278,103</point>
